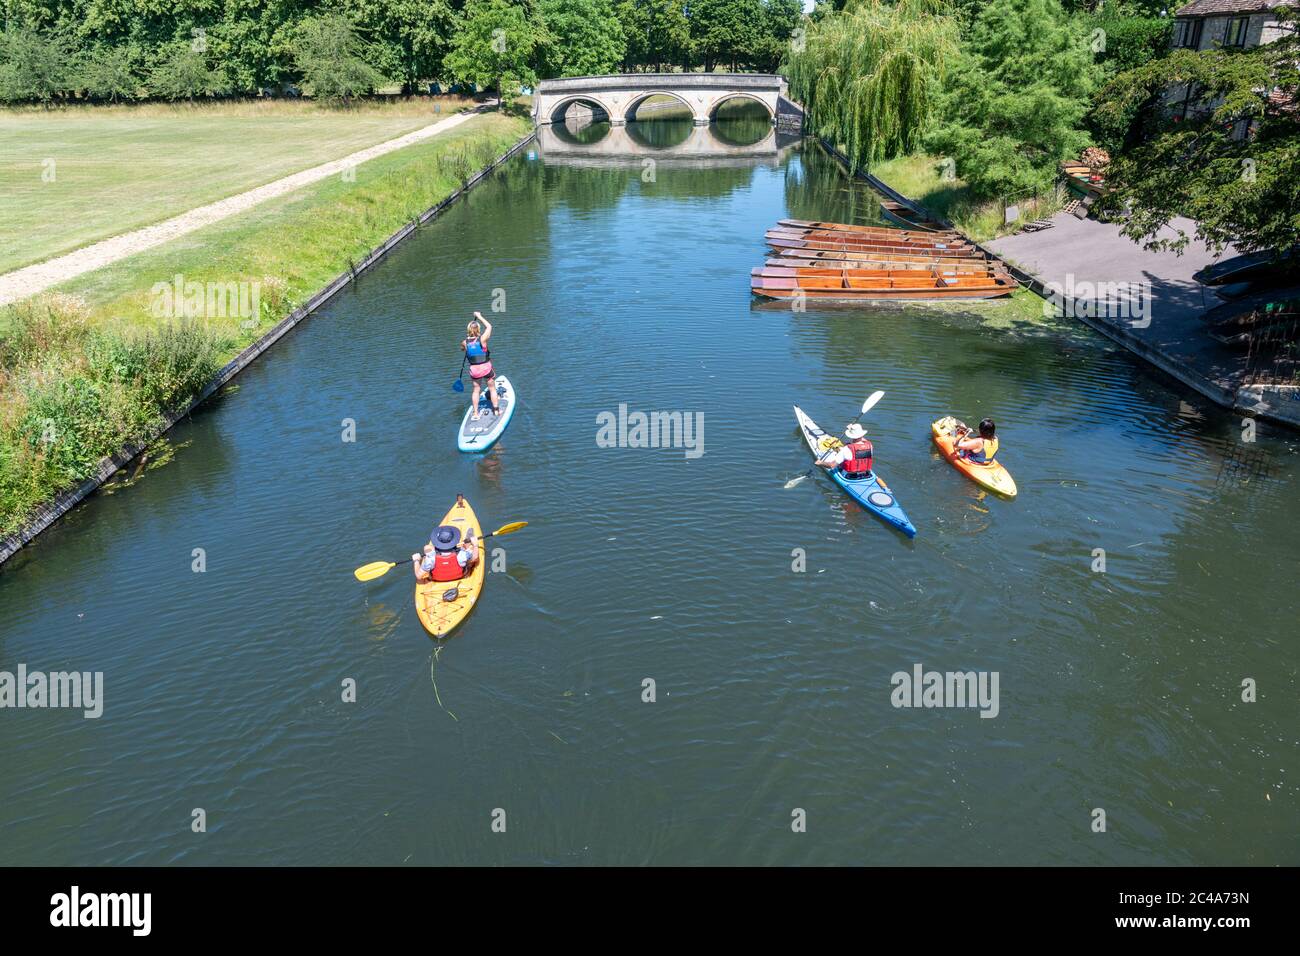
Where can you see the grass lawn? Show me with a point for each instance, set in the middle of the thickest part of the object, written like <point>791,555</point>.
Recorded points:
<point>75,175</point>
<point>918,177</point>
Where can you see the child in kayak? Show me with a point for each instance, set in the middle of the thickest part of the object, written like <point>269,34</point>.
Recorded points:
<point>981,449</point>
<point>854,457</point>
<point>446,557</point>
<point>475,347</point>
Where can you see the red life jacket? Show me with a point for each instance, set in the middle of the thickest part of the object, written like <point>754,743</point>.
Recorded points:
<point>860,463</point>
<point>446,567</point>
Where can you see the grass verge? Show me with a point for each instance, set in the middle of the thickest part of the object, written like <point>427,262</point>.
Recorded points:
<point>920,178</point>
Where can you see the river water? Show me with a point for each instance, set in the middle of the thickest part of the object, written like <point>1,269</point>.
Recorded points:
<point>625,283</point>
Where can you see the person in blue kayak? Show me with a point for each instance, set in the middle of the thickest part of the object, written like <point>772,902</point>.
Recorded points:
<point>982,448</point>
<point>475,347</point>
<point>446,557</point>
<point>855,457</point>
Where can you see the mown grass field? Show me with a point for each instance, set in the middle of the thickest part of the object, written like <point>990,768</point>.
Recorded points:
<point>77,175</point>
<point>87,368</point>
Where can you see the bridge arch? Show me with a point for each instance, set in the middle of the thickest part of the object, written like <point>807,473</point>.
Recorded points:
<point>629,111</point>
<point>712,110</point>
<point>557,110</point>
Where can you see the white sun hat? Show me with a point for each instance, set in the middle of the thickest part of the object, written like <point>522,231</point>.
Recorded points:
<point>854,431</point>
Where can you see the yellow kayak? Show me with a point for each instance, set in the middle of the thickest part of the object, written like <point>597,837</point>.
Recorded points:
<point>990,475</point>
<point>438,615</point>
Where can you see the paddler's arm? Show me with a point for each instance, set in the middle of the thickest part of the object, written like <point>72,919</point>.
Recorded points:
<point>487,328</point>
<point>835,460</point>
<point>415,566</point>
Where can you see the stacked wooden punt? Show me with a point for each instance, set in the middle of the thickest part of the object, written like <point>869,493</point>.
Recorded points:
<point>839,261</point>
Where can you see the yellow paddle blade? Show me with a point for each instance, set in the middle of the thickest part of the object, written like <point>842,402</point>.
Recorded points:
<point>510,528</point>
<point>376,569</point>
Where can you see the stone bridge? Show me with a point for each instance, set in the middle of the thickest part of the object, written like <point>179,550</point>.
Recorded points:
<point>617,97</point>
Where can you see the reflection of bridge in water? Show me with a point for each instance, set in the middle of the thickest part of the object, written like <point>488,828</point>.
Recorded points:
<point>622,142</point>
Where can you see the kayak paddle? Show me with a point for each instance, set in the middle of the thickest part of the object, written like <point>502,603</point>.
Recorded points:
<point>458,385</point>
<point>377,569</point>
<point>867,406</point>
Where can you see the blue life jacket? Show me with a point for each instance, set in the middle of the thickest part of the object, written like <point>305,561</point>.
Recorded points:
<point>475,352</point>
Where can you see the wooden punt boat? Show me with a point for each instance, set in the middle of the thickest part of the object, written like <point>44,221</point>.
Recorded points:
<point>909,240</point>
<point>836,257</point>
<point>839,265</point>
<point>909,218</point>
<point>802,247</point>
<point>862,230</point>
<point>779,272</point>
<point>847,289</point>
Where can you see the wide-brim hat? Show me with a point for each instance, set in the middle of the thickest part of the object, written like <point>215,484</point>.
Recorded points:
<point>854,431</point>
<point>445,537</point>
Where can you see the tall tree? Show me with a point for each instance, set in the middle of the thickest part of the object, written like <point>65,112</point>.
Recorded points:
<point>413,36</point>
<point>1238,189</point>
<point>334,59</point>
<point>867,77</point>
<point>495,46</point>
<point>585,38</point>
<point>1014,102</point>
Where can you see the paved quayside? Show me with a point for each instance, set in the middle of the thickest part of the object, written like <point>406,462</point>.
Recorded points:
<point>1175,339</point>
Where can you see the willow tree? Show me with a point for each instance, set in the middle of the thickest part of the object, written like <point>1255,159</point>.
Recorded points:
<point>868,77</point>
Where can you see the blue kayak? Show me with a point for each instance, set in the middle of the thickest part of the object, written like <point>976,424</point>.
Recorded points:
<point>870,492</point>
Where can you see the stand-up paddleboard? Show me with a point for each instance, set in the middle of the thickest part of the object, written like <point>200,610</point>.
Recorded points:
<point>870,492</point>
<point>990,475</point>
<point>481,433</point>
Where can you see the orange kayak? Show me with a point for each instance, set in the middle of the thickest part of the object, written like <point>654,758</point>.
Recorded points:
<point>991,475</point>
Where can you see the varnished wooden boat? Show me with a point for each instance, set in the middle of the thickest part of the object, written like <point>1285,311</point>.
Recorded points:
<point>849,289</point>
<point>785,272</point>
<point>892,255</point>
<point>861,230</point>
<point>893,265</point>
<point>909,218</point>
<point>858,250</point>
<point>868,251</point>
<point>900,240</point>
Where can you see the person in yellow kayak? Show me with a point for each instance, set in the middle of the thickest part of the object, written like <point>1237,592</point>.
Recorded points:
<point>446,557</point>
<point>980,449</point>
<point>475,347</point>
<point>854,457</point>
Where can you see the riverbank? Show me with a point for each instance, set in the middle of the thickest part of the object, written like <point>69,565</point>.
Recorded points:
<point>1094,256</point>
<point>279,260</point>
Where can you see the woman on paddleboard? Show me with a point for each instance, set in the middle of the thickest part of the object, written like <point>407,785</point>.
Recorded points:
<point>982,449</point>
<point>854,457</point>
<point>475,347</point>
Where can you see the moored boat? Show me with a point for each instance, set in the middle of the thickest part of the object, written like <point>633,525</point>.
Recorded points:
<point>909,240</point>
<point>822,245</point>
<point>851,289</point>
<point>859,230</point>
<point>910,218</point>
<point>836,266</point>
<point>840,256</point>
